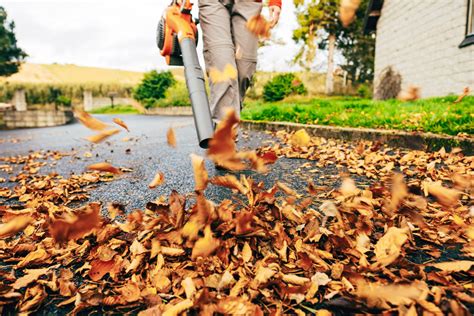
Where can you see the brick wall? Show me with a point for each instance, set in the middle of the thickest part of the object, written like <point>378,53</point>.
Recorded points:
<point>16,119</point>
<point>420,39</point>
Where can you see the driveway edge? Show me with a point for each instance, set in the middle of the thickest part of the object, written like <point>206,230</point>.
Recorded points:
<point>393,138</point>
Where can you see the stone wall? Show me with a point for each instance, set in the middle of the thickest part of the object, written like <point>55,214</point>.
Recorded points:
<point>171,111</point>
<point>93,103</point>
<point>420,39</point>
<point>15,119</point>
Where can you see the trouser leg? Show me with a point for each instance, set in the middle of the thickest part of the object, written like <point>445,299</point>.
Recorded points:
<point>219,51</point>
<point>245,42</point>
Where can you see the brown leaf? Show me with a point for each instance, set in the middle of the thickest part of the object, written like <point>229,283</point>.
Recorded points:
<point>76,225</point>
<point>104,167</point>
<point>229,181</point>
<point>200,173</point>
<point>206,245</point>
<point>33,297</point>
<point>347,11</point>
<point>130,292</point>
<point>411,93</point>
<point>463,95</point>
<point>178,309</point>
<point>121,123</point>
<point>445,196</point>
<point>269,157</point>
<point>454,266</point>
<point>389,246</point>
<point>15,225</point>
<point>102,136</point>
<point>158,180</point>
<point>171,137</point>
<point>35,257</point>
<point>89,121</point>
<point>259,26</point>
<point>31,275</point>
<point>378,295</point>
<point>100,268</point>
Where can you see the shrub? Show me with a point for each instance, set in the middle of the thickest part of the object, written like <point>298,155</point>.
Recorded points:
<point>63,100</point>
<point>177,95</point>
<point>389,86</point>
<point>153,87</point>
<point>364,91</point>
<point>282,86</point>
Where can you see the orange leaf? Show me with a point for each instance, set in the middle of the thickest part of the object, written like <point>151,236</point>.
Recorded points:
<point>206,245</point>
<point>121,123</point>
<point>389,246</point>
<point>104,167</point>
<point>15,225</point>
<point>411,93</point>
<point>100,268</point>
<point>76,225</point>
<point>171,137</point>
<point>89,121</point>
<point>454,266</point>
<point>102,136</point>
<point>200,173</point>
<point>229,181</point>
<point>347,11</point>
<point>37,256</point>
<point>159,179</point>
<point>259,26</point>
<point>445,196</point>
<point>463,95</point>
<point>29,277</point>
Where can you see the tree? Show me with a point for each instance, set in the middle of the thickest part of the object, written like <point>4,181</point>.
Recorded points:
<point>319,26</point>
<point>153,87</point>
<point>317,17</point>
<point>10,54</point>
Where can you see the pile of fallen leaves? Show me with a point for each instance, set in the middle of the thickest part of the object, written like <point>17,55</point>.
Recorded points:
<point>403,245</point>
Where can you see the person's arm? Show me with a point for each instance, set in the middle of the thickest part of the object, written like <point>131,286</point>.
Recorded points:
<point>275,8</point>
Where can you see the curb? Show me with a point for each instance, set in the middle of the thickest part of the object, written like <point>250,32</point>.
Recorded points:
<point>171,111</point>
<point>393,138</point>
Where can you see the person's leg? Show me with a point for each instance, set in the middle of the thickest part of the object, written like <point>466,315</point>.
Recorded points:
<point>219,51</point>
<point>245,42</point>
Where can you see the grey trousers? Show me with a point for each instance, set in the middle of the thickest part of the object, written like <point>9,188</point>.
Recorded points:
<point>227,41</point>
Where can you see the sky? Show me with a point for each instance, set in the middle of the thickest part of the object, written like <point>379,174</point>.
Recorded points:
<point>117,34</point>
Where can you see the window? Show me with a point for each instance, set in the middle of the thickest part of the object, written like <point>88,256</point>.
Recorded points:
<point>469,39</point>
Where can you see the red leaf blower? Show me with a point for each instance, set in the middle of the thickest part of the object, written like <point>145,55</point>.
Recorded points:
<point>177,39</point>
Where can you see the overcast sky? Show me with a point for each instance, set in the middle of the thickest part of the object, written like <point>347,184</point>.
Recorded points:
<point>114,33</point>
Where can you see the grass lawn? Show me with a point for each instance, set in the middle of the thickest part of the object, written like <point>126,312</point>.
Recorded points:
<point>117,109</point>
<point>436,115</point>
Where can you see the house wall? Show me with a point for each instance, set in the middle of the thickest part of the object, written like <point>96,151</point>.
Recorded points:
<point>420,39</point>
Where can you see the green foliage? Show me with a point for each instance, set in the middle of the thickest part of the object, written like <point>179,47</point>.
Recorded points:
<point>437,115</point>
<point>282,86</point>
<point>117,109</point>
<point>364,91</point>
<point>63,100</point>
<point>10,54</point>
<point>318,20</point>
<point>153,87</point>
<point>177,95</point>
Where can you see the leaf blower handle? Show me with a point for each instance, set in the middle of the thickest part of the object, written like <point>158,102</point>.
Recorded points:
<point>197,92</point>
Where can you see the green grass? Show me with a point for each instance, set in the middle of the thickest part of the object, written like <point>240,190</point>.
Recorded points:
<point>117,109</point>
<point>436,115</point>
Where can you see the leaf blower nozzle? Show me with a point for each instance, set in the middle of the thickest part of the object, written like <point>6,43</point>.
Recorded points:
<point>177,39</point>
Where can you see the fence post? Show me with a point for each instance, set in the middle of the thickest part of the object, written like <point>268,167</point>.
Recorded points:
<point>19,100</point>
<point>88,101</point>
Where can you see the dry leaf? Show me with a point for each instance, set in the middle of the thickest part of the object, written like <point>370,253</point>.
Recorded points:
<point>300,138</point>
<point>445,196</point>
<point>177,309</point>
<point>158,180</point>
<point>259,26</point>
<point>200,173</point>
<point>100,268</point>
<point>31,275</point>
<point>411,93</point>
<point>189,287</point>
<point>121,123</point>
<point>15,225</point>
<point>171,137</point>
<point>89,121</point>
<point>35,257</point>
<point>388,247</point>
<point>347,11</point>
<point>102,136</point>
<point>465,93</point>
<point>229,181</point>
<point>76,225</point>
<point>206,245</point>
<point>454,266</point>
<point>104,167</point>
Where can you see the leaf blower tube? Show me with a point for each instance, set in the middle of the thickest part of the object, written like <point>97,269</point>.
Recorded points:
<point>177,39</point>
<point>197,92</point>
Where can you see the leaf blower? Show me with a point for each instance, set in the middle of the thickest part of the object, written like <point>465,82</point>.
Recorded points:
<point>177,39</point>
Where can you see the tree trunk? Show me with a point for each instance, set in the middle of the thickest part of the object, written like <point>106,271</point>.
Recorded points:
<point>330,74</point>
